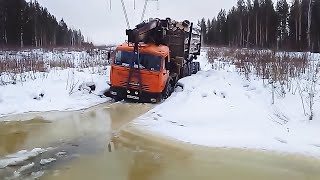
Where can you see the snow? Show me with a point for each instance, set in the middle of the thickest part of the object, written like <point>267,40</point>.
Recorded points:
<point>17,173</point>
<point>47,161</point>
<point>77,58</point>
<point>61,154</point>
<point>37,175</point>
<point>220,108</point>
<point>52,80</point>
<point>56,90</point>
<point>20,157</point>
<point>217,107</point>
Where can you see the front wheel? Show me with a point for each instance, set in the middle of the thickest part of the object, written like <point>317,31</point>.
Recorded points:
<point>168,90</point>
<point>117,98</point>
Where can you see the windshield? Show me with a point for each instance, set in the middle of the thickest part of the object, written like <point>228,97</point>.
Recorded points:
<point>147,61</point>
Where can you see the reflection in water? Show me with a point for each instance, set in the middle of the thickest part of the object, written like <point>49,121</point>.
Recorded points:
<point>139,156</point>
<point>54,128</point>
<point>14,134</point>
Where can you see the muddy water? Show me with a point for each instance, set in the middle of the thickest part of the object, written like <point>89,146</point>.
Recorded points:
<point>138,156</point>
<point>135,155</point>
<point>54,128</point>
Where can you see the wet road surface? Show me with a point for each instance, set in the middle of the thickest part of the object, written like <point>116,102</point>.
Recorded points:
<point>93,148</point>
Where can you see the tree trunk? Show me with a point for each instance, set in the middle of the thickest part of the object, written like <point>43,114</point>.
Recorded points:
<point>309,23</point>
<point>297,31</point>
<point>300,26</point>
<point>21,29</point>
<point>260,34</point>
<point>5,36</point>
<point>248,32</point>
<point>241,31</point>
<point>257,29</point>
<point>21,37</point>
<point>54,38</point>
<point>267,31</point>
<point>5,30</point>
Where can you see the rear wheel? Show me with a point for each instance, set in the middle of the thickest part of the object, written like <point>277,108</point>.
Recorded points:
<point>187,70</point>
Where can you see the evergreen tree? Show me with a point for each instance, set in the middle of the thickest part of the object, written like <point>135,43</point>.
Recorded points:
<point>28,24</point>
<point>282,22</point>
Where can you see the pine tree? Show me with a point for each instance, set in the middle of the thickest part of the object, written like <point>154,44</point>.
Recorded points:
<point>29,24</point>
<point>282,19</point>
<point>241,9</point>
<point>203,27</point>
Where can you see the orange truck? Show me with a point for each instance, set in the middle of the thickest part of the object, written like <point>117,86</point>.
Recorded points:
<point>157,54</point>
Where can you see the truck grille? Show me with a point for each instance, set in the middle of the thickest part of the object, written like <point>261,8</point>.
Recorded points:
<point>135,85</point>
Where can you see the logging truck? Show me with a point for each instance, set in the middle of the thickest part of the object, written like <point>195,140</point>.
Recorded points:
<point>159,52</point>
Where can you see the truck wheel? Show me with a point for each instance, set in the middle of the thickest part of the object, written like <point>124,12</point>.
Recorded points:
<point>186,70</point>
<point>197,67</point>
<point>194,68</point>
<point>117,98</point>
<point>190,69</point>
<point>167,90</point>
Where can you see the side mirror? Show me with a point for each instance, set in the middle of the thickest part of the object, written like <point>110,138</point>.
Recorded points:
<point>167,64</point>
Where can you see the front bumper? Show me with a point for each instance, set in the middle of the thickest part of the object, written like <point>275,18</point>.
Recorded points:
<point>120,93</point>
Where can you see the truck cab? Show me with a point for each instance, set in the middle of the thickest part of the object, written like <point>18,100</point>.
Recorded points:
<point>143,80</point>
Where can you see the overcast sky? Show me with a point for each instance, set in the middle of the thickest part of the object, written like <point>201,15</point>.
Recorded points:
<point>104,26</point>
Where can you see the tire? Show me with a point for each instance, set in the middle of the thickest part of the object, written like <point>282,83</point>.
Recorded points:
<point>197,64</point>
<point>195,67</point>
<point>190,69</point>
<point>117,98</point>
<point>167,90</point>
<point>187,71</point>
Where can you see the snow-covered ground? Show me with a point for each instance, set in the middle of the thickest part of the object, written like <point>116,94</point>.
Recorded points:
<point>40,80</point>
<point>56,90</point>
<point>77,58</point>
<point>220,108</point>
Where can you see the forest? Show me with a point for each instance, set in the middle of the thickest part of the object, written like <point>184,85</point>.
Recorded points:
<point>293,25</point>
<point>28,24</point>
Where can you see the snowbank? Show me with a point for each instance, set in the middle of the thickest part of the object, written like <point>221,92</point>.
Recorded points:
<point>20,157</point>
<point>220,108</point>
<point>47,161</point>
<point>54,91</point>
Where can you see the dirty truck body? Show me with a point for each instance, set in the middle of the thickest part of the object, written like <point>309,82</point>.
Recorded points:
<point>157,54</point>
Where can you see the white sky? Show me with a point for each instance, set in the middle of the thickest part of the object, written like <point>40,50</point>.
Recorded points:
<point>104,26</point>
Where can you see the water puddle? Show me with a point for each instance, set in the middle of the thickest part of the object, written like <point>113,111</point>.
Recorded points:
<point>73,133</point>
<point>48,129</point>
<point>138,156</point>
<point>87,145</point>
